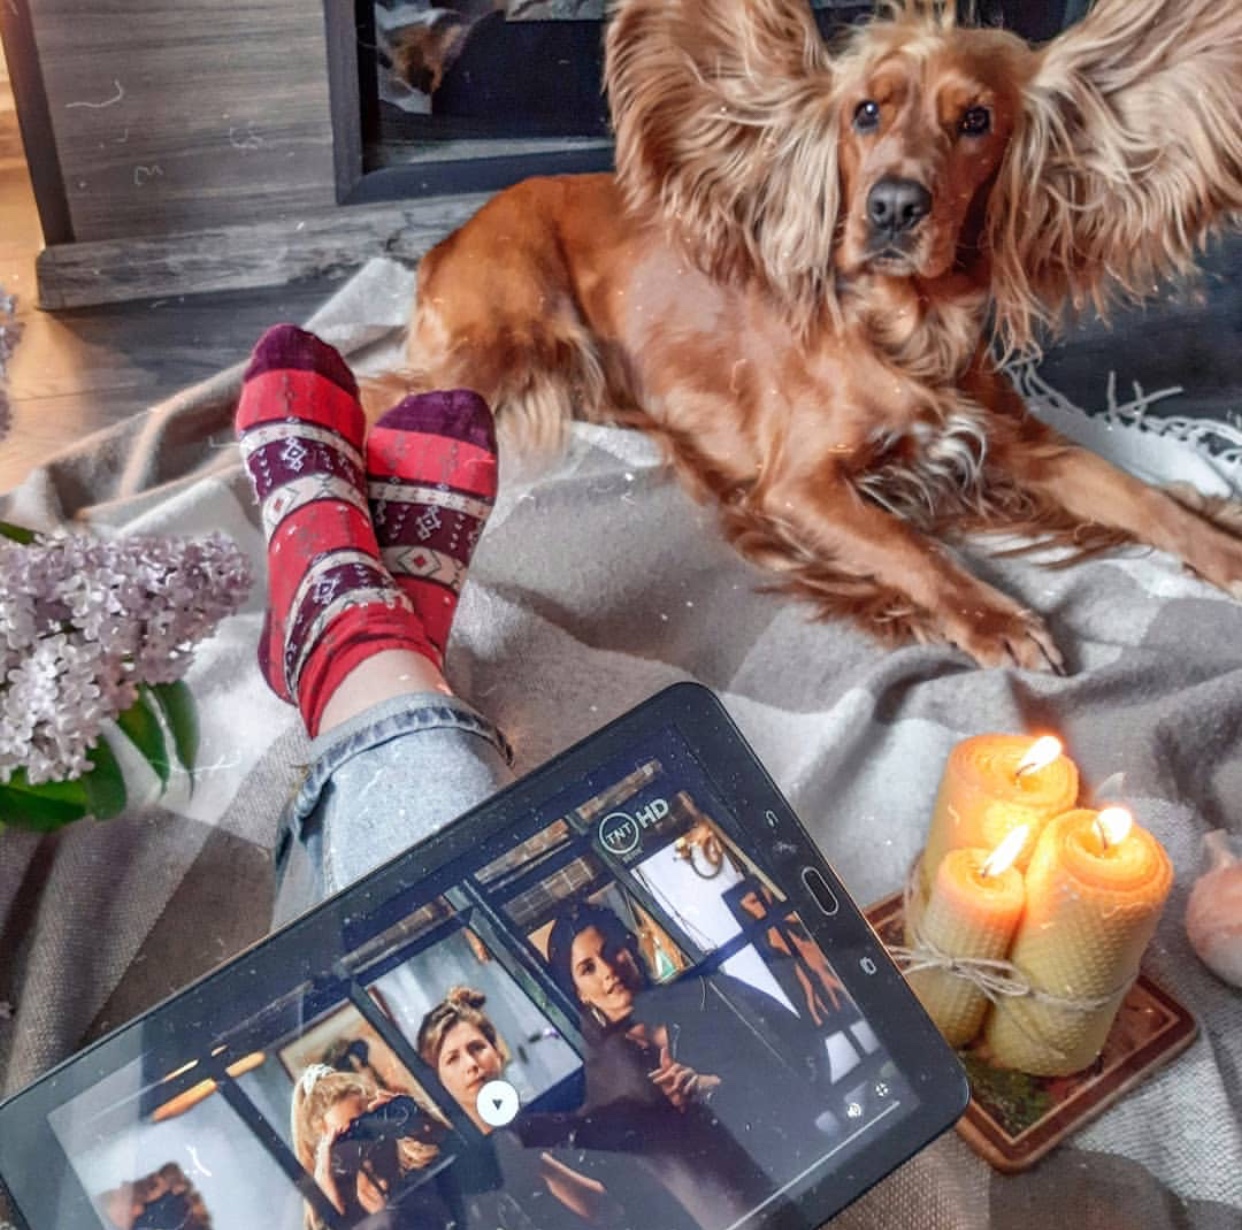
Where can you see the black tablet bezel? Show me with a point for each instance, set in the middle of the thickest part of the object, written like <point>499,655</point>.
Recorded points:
<point>771,835</point>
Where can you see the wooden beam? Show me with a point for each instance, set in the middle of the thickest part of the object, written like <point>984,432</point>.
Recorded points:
<point>243,257</point>
<point>21,54</point>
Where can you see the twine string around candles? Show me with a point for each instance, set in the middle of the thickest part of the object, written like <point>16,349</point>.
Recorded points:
<point>996,979</point>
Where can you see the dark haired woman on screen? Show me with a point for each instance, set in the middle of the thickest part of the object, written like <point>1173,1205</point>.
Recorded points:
<point>712,1085</point>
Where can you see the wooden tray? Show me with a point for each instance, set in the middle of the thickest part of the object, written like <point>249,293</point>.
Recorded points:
<point>1014,1119</point>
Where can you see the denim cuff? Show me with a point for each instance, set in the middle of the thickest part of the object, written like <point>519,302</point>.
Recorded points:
<point>377,725</point>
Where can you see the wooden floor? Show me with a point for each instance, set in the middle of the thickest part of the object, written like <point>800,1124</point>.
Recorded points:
<point>74,372</point>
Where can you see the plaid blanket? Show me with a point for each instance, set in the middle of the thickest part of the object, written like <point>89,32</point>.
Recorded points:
<point>597,583</point>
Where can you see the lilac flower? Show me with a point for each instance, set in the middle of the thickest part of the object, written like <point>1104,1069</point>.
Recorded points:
<point>84,622</point>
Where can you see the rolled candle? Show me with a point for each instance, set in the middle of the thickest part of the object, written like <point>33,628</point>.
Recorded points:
<point>968,914</point>
<point>983,796</point>
<point>1091,908</point>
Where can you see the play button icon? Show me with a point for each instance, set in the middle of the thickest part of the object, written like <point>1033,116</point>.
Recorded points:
<point>498,1104</point>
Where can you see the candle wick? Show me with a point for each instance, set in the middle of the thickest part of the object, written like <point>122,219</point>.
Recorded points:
<point>1002,858</point>
<point>1039,755</point>
<point>1112,826</point>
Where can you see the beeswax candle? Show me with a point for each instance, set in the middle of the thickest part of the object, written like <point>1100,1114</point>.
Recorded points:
<point>972,912</point>
<point>1095,888</point>
<point>992,784</point>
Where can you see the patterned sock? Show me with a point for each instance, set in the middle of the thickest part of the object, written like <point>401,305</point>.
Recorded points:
<point>332,604</point>
<point>431,479</point>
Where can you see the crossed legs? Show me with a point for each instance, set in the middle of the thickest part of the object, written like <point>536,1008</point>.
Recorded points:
<point>369,541</point>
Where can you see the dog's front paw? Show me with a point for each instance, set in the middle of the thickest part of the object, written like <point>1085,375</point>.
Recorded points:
<point>1002,633</point>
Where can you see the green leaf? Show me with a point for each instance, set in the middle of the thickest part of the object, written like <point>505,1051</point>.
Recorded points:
<point>17,533</point>
<point>42,808</point>
<point>100,792</point>
<point>105,784</point>
<point>141,725</point>
<point>177,702</point>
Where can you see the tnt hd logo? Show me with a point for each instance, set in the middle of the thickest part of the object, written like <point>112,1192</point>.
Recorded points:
<point>621,833</point>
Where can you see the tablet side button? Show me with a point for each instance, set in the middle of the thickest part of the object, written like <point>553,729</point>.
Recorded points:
<point>817,886</point>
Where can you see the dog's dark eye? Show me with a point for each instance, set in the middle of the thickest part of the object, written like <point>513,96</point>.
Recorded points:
<point>975,122</point>
<point>867,116</point>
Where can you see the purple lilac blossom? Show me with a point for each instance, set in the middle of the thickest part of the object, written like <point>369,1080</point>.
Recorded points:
<point>84,621</point>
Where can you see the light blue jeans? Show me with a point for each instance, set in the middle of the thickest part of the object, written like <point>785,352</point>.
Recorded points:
<point>389,777</point>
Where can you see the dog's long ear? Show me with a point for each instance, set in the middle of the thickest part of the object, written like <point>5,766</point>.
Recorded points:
<point>1128,154</point>
<point>725,127</point>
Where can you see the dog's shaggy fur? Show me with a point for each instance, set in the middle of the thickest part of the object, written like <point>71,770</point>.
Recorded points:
<point>809,260</point>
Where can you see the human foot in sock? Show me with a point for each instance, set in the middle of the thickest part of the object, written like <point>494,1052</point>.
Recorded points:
<point>332,604</point>
<point>431,479</point>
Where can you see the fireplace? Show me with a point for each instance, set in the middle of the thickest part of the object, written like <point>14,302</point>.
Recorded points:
<point>472,95</point>
<point>464,95</point>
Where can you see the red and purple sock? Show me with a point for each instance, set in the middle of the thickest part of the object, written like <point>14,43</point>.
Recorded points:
<point>332,604</point>
<point>431,479</point>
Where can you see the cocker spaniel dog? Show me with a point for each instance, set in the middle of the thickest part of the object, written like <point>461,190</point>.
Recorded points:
<point>811,260</point>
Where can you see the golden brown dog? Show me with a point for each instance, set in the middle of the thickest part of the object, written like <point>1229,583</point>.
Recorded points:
<point>809,259</point>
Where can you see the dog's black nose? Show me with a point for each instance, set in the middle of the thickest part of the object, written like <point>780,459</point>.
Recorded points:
<point>898,205</point>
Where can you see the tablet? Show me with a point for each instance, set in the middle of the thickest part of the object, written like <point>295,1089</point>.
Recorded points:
<point>626,992</point>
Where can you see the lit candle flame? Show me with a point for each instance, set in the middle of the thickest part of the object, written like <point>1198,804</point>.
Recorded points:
<point>1002,858</point>
<point>1113,825</point>
<point>1040,755</point>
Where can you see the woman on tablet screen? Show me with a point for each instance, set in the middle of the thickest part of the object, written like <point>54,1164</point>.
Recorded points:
<point>713,1085</point>
<point>461,1043</point>
<point>361,1163</point>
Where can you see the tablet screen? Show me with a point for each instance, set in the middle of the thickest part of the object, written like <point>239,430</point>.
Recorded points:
<point>609,1014</point>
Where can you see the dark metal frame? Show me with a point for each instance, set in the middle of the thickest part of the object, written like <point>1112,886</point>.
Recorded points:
<point>352,109</point>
